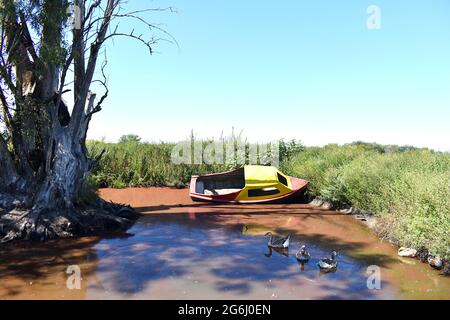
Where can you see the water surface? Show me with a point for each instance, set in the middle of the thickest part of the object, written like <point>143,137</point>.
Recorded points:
<point>184,250</point>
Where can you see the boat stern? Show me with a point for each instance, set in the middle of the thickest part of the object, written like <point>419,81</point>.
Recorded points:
<point>193,188</point>
<point>192,184</point>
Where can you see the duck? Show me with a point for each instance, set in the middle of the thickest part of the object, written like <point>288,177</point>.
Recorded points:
<point>275,242</point>
<point>328,264</point>
<point>423,255</point>
<point>407,252</point>
<point>435,262</point>
<point>302,255</point>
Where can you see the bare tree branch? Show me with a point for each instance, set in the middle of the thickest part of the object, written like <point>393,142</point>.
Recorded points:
<point>132,14</point>
<point>6,75</point>
<point>5,109</point>
<point>91,10</point>
<point>103,82</point>
<point>78,108</point>
<point>139,38</point>
<point>29,45</point>
<point>78,51</point>
<point>63,80</point>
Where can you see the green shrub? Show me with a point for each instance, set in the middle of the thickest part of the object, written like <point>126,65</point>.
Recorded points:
<point>321,166</point>
<point>408,190</point>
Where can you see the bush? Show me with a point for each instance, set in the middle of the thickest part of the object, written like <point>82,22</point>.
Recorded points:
<point>408,190</point>
<point>321,166</point>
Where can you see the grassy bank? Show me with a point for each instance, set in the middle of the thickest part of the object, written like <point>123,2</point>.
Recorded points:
<point>407,189</point>
<point>141,164</point>
<point>131,163</point>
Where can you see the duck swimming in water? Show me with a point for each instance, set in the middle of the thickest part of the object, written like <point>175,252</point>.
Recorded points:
<point>275,242</point>
<point>302,255</point>
<point>328,264</point>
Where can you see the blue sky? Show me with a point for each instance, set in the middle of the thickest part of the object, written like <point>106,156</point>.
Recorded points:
<point>309,70</point>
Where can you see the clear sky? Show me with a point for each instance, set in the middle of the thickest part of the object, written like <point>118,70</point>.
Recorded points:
<point>309,70</point>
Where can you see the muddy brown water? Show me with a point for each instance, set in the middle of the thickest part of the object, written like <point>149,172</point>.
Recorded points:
<point>184,250</point>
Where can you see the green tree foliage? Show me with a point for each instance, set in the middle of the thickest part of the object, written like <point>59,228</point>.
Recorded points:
<point>130,138</point>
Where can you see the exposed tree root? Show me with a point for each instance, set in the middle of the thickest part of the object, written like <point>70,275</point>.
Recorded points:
<point>42,224</point>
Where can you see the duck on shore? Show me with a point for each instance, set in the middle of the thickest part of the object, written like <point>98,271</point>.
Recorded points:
<point>422,255</point>
<point>435,262</point>
<point>278,242</point>
<point>328,264</point>
<point>407,252</point>
<point>303,255</point>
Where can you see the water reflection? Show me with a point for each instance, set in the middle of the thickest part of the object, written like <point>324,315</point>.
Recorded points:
<point>282,251</point>
<point>205,258</point>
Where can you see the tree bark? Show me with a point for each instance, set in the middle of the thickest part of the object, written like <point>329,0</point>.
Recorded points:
<point>9,175</point>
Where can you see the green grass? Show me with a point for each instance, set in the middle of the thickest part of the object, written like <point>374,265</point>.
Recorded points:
<point>408,189</point>
<point>132,163</point>
<point>141,164</point>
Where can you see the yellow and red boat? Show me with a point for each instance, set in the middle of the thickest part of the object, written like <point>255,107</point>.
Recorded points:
<point>249,184</point>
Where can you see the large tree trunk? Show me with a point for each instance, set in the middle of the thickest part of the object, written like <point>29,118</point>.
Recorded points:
<point>50,207</point>
<point>68,169</point>
<point>43,159</point>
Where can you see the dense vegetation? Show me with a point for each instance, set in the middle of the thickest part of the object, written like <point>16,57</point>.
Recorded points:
<point>408,189</point>
<point>132,163</point>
